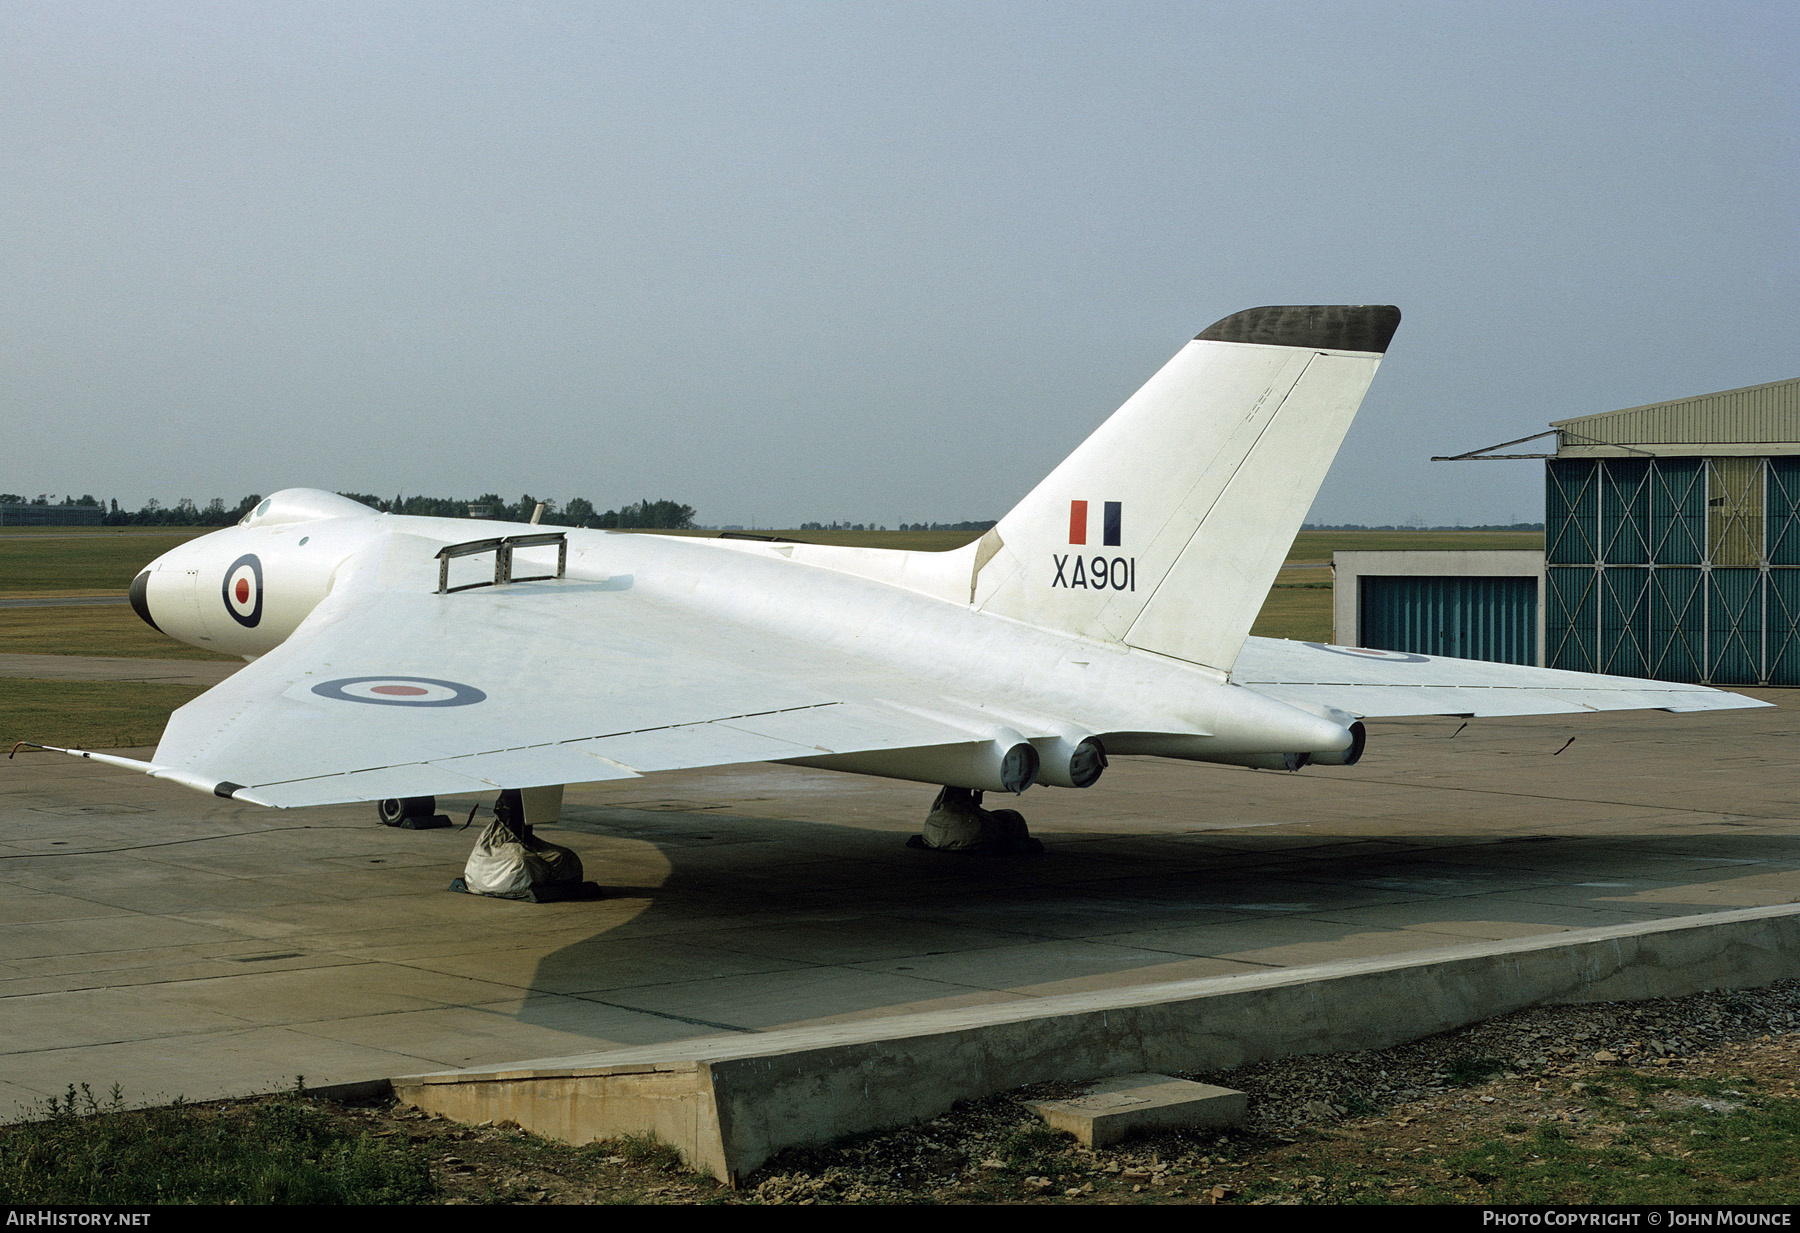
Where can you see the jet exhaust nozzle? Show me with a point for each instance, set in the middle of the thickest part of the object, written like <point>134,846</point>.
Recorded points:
<point>1066,763</point>
<point>1359,738</point>
<point>1019,766</point>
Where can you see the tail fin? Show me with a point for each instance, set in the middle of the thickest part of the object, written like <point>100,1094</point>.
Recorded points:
<point>1166,528</point>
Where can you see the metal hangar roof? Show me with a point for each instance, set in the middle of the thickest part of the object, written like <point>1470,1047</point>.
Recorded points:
<point>1755,420</point>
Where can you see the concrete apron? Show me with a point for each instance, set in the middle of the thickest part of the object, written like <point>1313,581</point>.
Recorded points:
<point>729,1103</point>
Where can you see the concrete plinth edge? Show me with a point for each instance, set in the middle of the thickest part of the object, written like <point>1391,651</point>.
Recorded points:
<point>1130,1104</point>
<point>728,1103</point>
<point>366,1091</point>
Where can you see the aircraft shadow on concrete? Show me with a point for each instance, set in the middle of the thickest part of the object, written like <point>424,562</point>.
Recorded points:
<point>764,921</point>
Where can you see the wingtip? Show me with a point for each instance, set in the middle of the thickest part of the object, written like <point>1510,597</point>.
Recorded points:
<point>1328,327</point>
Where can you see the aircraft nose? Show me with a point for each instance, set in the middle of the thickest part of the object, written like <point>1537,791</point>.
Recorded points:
<point>140,599</point>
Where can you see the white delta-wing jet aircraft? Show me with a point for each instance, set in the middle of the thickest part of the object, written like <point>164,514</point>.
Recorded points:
<point>396,659</point>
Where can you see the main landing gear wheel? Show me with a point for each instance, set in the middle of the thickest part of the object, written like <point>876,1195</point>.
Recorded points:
<point>958,823</point>
<point>411,813</point>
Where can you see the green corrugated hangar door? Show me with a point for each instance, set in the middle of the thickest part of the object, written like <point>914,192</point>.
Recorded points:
<point>1682,569</point>
<point>1470,618</point>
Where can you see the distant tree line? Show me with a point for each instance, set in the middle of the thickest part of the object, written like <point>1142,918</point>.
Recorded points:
<point>645,515</point>
<point>184,513</point>
<point>905,526</point>
<point>948,526</point>
<point>580,512</point>
<point>13,498</point>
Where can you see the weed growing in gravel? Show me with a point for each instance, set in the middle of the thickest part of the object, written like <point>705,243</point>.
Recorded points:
<point>1468,1071</point>
<point>1032,1149</point>
<point>645,1151</point>
<point>1665,1139</point>
<point>87,1150</point>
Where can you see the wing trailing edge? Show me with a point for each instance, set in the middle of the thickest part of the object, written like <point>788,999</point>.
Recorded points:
<point>1377,684</point>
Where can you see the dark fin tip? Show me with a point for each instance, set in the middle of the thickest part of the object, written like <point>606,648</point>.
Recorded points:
<point>1328,327</point>
<point>225,788</point>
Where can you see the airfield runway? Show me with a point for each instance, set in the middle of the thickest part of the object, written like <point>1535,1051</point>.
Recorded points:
<point>176,944</point>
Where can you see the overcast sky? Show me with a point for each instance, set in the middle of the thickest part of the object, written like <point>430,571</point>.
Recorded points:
<point>868,262</point>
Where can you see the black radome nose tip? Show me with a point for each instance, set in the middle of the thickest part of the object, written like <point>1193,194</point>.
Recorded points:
<point>140,600</point>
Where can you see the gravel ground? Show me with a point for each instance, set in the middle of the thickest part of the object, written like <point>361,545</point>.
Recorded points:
<point>1413,1103</point>
<point>1302,1091</point>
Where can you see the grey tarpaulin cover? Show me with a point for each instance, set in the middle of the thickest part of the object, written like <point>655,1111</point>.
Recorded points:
<point>507,867</point>
<point>958,823</point>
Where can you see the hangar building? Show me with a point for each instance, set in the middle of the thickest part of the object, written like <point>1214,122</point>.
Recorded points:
<point>31,514</point>
<point>1671,550</point>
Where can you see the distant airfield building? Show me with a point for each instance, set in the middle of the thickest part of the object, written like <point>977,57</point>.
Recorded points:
<point>1468,604</point>
<point>30,514</point>
<point>1671,550</point>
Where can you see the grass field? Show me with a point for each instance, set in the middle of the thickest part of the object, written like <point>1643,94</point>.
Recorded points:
<point>1298,607</point>
<point>111,630</point>
<point>1308,545</point>
<point>87,714</point>
<point>912,541</point>
<point>1319,545</point>
<point>81,560</point>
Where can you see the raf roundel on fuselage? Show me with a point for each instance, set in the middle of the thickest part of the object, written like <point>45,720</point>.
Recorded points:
<point>243,590</point>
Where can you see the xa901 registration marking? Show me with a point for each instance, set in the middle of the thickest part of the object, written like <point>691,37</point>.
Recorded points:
<point>1097,573</point>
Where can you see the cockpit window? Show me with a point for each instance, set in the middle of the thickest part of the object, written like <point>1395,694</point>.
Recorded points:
<point>304,505</point>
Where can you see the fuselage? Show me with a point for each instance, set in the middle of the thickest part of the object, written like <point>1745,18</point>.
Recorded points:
<point>245,589</point>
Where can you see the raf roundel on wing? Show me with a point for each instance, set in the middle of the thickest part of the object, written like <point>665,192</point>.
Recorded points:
<point>399,691</point>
